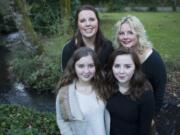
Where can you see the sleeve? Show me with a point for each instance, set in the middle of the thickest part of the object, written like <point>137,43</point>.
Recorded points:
<point>107,50</point>
<point>62,125</point>
<point>146,113</point>
<point>110,48</point>
<point>66,54</point>
<point>158,81</point>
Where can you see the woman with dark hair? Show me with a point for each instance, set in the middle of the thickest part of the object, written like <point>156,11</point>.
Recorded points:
<point>88,34</point>
<point>80,108</point>
<point>131,104</point>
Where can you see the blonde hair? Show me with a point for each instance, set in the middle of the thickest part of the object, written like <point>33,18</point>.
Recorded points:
<point>138,27</point>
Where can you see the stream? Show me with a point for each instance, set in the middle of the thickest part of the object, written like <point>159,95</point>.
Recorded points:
<point>16,94</point>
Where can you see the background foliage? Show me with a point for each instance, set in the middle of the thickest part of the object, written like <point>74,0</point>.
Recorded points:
<point>45,15</point>
<point>18,120</point>
<point>37,72</point>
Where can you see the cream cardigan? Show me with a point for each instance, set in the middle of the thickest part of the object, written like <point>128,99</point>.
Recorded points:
<point>69,117</point>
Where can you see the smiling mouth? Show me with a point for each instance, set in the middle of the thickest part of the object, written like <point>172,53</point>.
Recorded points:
<point>127,42</point>
<point>121,77</point>
<point>86,76</point>
<point>88,30</point>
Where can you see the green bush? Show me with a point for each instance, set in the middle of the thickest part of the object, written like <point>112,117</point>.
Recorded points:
<point>45,16</point>
<point>116,5</point>
<point>18,120</point>
<point>38,72</point>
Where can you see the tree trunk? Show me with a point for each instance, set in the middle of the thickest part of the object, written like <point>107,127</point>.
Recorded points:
<point>65,6</point>
<point>24,25</point>
<point>65,13</point>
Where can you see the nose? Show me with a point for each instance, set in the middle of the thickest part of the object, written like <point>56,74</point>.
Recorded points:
<point>121,70</point>
<point>86,70</point>
<point>87,22</point>
<point>125,36</point>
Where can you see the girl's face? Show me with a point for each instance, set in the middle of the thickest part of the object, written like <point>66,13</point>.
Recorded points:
<point>127,36</point>
<point>123,68</point>
<point>87,23</point>
<point>85,68</point>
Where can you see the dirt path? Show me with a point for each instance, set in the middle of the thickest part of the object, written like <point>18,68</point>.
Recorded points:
<point>169,118</point>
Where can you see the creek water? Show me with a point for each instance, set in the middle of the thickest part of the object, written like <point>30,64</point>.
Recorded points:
<point>17,94</point>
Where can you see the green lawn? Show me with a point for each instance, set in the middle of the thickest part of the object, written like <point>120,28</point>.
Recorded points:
<point>162,28</point>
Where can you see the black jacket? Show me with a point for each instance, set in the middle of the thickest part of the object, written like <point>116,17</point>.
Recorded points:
<point>70,47</point>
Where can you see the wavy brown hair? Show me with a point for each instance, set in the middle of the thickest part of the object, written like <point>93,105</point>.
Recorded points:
<point>69,74</point>
<point>138,82</point>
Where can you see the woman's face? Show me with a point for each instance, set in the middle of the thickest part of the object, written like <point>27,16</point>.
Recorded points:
<point>127,36</point>
<point>85,68</point>
<point>87,23</point>
<point>123,68</point>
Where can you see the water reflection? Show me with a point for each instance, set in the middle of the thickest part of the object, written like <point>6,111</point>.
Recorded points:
<point>17,94</point>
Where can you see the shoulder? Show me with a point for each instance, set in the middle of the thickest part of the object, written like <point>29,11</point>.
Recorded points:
<point>63,92</point>
<point>154,61</point>
<point>69,46</point>
<point>107,45</point>
<point>155,56</point>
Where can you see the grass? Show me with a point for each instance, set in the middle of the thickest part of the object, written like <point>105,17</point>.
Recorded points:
<point>54,45</point>
<point>163,30</point>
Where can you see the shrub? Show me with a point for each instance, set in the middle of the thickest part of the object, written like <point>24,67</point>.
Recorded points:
<point>45,16</point>
<point>38,72</point>
<point>18,120</point>
<point>116,5</point>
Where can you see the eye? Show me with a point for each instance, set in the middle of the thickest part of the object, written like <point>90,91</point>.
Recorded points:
<point>81,65</point>
<point>121,33</point>
<point>116,65</point>
<point>91,19</point>
<point>91,65</point>
<point>128,66</point>
<point>130,32</point>
<point>82,20</point>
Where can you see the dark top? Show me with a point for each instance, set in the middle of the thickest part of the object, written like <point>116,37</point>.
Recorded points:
<point>70,47</point>
<point>155,72</point>
<point>130,117</point>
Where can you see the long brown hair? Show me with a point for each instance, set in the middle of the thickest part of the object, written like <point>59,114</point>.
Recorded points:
<point>69,74</point>
<point>138,83</point>
<point>99,40</point>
